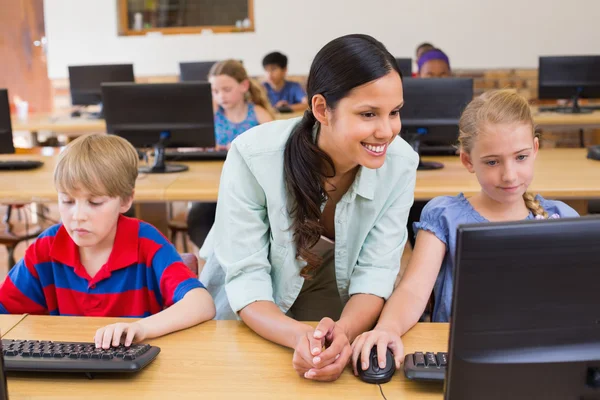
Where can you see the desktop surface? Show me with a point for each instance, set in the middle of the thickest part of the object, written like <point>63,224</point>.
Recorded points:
<point>214,360</point>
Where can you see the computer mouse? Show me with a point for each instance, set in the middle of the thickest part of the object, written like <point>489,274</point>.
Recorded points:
<point>594,153</point>
<point>285,109</point>
<point>374,374</point>
<point>76,113</point>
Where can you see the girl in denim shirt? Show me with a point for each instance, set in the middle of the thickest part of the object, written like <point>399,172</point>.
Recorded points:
<point>499,144</point>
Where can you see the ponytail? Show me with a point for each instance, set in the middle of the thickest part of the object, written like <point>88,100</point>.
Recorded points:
<point>534,205</point>
<point>258,96</point>
<point>338,68</point>
<point>303,164</point>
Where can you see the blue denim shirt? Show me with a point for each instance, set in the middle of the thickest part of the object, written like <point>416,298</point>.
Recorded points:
<point>442,216</point>
<point>250,252</point>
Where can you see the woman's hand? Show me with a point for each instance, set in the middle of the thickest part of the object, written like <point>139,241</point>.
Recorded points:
<point>328,364</point>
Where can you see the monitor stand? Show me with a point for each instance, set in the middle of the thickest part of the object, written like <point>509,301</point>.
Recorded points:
<point>415,143</point>
<point>575,108</point>
<point>159,166</point>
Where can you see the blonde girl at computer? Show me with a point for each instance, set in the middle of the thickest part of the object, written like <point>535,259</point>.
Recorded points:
<point>499,144</point>
<point>239,102</point>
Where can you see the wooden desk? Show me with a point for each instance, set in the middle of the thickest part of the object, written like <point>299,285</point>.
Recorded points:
<point>65,124</point>
<point>559,174</point>
<point>73,127</point>
<point>564,174</point>
<point>554,120</point>
<point>37,185</point>
<point>59,123</point>
<point>7,322</point>
<point>215,360</point>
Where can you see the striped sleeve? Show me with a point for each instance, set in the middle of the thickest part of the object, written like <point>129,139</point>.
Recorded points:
<point>22,290</point>
<point>174,277</point>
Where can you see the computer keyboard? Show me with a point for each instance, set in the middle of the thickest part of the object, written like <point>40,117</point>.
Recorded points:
<point>204,155</point>
<point>567,108</point>
<point>19,164</point>
<point>48,356</point>
<point>426,366</point>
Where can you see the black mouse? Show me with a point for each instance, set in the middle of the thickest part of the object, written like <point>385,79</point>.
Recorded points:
<point>76,114</point>
<point>374,374</point>
<point>285,109</point>
<point>594,153</point>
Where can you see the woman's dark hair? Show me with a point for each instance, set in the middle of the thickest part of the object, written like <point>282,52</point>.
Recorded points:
<point>342,65</point>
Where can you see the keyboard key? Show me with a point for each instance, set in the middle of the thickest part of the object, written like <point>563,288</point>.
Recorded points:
<point>430,360</point>
<point>419,359</point>
<point>442,359</point>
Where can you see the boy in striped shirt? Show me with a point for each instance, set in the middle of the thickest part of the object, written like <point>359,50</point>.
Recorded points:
<point>97,262</point>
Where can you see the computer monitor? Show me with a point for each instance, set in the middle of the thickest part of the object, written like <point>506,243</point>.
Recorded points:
<point>525,313</point>
<point>432,109</point>
<point>6,137</point>
<point>85,81</point>
<point>569,77</point>
<point>3,386</point>
<point>405,66</point>
<point>195,71</point>
<point>160,115</point>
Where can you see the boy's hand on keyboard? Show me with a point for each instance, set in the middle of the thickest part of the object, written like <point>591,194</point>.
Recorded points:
<point>381,336</point>
<point>111,335</point>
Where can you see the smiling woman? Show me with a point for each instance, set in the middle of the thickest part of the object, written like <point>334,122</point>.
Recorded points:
<point>310,221</point>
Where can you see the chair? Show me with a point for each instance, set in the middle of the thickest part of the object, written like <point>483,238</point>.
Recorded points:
<point>14,231</point>
<point>177,224</point>
<point>191,261</point>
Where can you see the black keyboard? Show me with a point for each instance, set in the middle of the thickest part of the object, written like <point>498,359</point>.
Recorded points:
<point>566,108</point>
<point>19,164</point>
<point>426,366</point>
<point>205,155</point>
<point>47,356</point>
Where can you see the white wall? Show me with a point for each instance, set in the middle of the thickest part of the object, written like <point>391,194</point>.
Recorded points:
<point>475,33</point>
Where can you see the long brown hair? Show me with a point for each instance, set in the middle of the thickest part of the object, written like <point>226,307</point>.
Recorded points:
<point>498,107</point>
<point>342,65</point>
<point>235,70</point>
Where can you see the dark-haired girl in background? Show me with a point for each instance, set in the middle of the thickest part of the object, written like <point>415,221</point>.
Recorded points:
<point>311,215</point>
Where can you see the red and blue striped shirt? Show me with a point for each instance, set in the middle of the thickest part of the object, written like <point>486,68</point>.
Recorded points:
<point>143,275</point>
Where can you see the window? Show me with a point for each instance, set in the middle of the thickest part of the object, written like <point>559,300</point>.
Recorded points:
<point>138,17</point>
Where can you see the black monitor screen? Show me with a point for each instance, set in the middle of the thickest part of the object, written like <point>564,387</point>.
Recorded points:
<point>85,81</point>
<point>405,66</point>
<point>195,71</point>
<point>140,112</point>
<point>525,318</point>
<point>568,76</point>
<point>6,139</point>
<point>432,109</point>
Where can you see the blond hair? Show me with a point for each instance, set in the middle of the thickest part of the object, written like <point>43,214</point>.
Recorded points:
<point>497,107</point>
<point>102,165</point>
<point>235,70</point>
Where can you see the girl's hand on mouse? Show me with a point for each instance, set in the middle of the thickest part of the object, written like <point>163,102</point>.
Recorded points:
<point>306,346</point>
<point>383,337</point>
<point>330,363</point>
